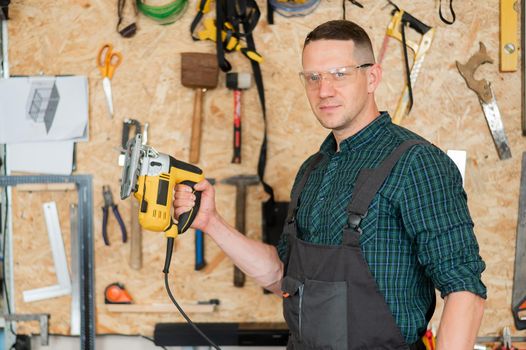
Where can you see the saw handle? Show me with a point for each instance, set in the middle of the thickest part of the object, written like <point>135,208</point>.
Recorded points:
<point>414,23</point>
<point>186,219</point>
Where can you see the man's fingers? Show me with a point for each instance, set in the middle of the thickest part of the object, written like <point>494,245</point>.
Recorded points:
<point>202,185</point>
<point>183,188</point>
<point>184,196</point>
<point>181,210</point>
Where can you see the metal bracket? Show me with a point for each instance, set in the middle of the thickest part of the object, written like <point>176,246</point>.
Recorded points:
<point>59,260</point>
<point>44,324</point>
<point>85,245</point>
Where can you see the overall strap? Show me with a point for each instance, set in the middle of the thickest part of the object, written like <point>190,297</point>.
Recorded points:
<point>366,186</point>
<point>293,206</point>
<point>290,223</point>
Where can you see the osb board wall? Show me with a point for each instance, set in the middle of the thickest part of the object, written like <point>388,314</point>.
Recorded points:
<point>63,38</point>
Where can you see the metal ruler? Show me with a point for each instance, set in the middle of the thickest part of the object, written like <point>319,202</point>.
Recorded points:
<point>85,245</point>
<point>75,278</point>
<point>518,298</point>
<point>59,259</point>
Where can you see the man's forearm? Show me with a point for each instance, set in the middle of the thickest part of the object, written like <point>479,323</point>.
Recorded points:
<point>460,321</point>
<point>256,259</point>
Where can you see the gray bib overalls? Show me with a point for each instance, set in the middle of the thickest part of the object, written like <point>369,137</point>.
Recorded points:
<point>331,300</point>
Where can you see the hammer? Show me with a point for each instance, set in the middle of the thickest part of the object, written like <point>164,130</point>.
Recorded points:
<point>241,182</point>
<point>237,82</point>
<point>200,72</point>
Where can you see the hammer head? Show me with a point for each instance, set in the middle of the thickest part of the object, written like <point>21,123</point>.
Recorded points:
<point>242,180</point>
<point>238,81</point>
<point>199,70</point>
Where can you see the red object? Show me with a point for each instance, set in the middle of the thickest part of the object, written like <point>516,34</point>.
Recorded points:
<point>116,294</point>
<point>429,337</point>
<point>237,127</point>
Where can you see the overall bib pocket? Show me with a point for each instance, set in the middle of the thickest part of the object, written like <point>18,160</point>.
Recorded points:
<point>292,303</point>
<point>324,317</point>
<point>316,312</point>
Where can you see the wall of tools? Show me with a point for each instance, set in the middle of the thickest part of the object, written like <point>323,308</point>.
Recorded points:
<point>64,38</point>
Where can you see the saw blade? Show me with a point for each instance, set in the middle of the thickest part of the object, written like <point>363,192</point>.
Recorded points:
<point>493,117</point>
<point>132,166</point>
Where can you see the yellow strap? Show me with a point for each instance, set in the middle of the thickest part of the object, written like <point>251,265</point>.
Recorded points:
<point>209,33</point>
<point>206,7</point>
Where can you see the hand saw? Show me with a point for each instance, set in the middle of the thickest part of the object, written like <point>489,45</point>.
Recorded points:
<point>487,99</point>
<point>396,29</point>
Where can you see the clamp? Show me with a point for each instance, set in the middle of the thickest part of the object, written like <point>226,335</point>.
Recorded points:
<point>108,202</point>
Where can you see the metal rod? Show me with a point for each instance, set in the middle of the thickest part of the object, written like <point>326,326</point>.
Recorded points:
<point>4,42</point>
<point>523,67</point>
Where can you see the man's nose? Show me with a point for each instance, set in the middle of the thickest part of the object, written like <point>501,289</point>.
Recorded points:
<point>326,87</point>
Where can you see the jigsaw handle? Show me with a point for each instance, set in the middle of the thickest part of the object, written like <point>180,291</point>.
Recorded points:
<point>186,219</point>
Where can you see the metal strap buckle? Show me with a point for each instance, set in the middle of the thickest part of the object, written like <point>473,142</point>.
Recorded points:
<point>293,216</point>
<point>354,220</point>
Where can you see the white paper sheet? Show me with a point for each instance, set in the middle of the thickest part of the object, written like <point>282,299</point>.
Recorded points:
<point>459,158</point>
<point>36,109</point>
<point>41,157</point>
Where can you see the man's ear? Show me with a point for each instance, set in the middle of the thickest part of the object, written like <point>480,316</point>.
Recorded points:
<point>374,76</point>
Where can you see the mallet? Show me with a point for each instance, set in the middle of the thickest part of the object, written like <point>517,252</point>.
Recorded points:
<point>237,82</point>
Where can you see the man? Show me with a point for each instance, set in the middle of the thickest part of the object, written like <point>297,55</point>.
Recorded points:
<point>378,219</point>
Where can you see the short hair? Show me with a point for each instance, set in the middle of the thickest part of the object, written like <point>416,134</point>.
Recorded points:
<point>343,30</point>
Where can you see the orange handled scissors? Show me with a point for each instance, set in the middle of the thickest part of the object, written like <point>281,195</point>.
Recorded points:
<point>107,61</point>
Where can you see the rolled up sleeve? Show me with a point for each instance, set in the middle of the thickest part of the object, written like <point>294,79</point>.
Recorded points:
<point>434,211</point>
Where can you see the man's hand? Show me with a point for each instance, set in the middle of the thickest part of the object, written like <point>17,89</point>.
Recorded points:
<point>184,200</point>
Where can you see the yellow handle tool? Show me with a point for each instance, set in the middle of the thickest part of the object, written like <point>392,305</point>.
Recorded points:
<point>155,197</point>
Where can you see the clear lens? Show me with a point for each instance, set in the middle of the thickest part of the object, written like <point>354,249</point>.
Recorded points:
<point>340,75</point>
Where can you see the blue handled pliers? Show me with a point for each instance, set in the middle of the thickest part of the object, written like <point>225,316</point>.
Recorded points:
<point>108,202</point>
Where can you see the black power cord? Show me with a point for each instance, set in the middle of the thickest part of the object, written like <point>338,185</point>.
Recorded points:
<point>168,259</point>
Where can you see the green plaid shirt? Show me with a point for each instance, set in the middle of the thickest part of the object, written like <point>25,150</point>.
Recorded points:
<point>418,233</point>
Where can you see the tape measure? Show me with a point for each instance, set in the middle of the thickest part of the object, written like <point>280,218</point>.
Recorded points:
<point>115,293</point>
<point>294,8</point>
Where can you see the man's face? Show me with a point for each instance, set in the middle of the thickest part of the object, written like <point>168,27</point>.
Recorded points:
<point>337,105</point>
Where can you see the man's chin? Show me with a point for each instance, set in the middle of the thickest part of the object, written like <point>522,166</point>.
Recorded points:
<point>329,124</point>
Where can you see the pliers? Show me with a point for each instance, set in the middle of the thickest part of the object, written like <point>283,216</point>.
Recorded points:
<point>506,340</point>
<point>108,202</point>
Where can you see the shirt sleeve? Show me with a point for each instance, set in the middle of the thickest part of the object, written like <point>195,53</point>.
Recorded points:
<point>434,211</point>
<point>282,246</point>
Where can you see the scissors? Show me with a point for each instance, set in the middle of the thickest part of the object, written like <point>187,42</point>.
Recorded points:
<point>107,61</point>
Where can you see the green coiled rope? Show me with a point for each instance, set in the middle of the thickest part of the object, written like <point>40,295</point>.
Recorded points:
<point>164,14</point>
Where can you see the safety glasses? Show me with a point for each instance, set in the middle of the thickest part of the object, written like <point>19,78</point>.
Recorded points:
<point>337,76</point>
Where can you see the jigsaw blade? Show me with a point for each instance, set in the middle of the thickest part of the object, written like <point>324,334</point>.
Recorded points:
<point>132,166</point>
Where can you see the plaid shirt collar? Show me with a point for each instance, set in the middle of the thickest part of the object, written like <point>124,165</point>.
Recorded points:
<point>355,141</point>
